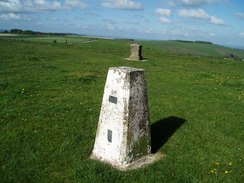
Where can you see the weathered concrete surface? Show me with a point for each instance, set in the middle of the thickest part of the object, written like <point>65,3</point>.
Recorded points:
<point>138,163</point>
<point>136,52</point>
<point>123,133</point>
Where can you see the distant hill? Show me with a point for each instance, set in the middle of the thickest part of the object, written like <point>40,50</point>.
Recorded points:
<point>198,48</point>
<point>234,47</point>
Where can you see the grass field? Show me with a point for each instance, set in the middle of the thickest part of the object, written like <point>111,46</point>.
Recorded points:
<point>50,102</point>
<point>45,38</point>
<point>58,39</point>
<point>194,49</point>
<point>179,47</point>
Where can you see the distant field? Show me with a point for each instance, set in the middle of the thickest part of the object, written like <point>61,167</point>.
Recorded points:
<point>195,49</point>
<point>50,99</point>
<point>46,39</point>
<point>59,39</point>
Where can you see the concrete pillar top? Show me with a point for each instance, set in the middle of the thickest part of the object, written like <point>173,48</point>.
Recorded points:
<point>136,45</point>
<point>126,69</point>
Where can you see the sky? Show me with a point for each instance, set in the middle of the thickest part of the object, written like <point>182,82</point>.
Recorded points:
<point>218,21</point>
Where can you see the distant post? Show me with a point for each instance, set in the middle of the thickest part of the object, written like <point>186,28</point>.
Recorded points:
<point>136,52</point>
<point>123,132</point>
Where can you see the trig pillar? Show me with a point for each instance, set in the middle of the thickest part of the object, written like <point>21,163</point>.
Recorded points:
<point>136,52</point>
<point>123,132</point>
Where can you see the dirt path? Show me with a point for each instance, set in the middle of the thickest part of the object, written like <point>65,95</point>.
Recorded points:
<point>4,34</point>
<point>82,42</point>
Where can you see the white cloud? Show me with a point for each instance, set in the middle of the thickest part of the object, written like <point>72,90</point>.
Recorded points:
<point>122,4</point>
<point>125,28</point>
<point>70,4</point>
<point>178,26</point>
<point>178,32</point>
<point>53,18</point>
<point>40,1</point>
<point>164,12</point>
<point>216,20</point>
<point>10,16</point>
<point>196,2</point>
<point>44,6</point>
<point>83,26</point>
<point>110,24</point>
<point>200,14</point>
<point>171,4</point>
<point>110,21</point>
<point>211,34</point>
<point>242,34</point>
<point>28,3</point>
<point>13,16</point>
<point>240,15</point>
<point>131,23</point>
<point>10,5</point>
<point>39,6</point>
<point>148,31</point>
<point>164,20</point>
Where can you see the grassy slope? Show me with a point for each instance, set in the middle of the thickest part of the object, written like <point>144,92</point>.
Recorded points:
<point>46,39</point>
<point>193,48</point>
<point>50,102</point>
<point>59,39</point>
<point>166,46</point>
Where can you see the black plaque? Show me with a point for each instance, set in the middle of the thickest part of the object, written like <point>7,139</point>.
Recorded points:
<point>112,99</point>
<point>109,135</point>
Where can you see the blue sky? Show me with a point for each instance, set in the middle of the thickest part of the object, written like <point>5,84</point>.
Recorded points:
<point>219,21</point>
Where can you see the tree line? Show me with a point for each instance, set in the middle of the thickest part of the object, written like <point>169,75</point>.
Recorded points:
<point>30,32</point>
<point>198,42</point>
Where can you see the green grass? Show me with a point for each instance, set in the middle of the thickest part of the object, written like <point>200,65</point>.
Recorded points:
<point>50,103</point>
<point>58,39</point>
<point>195,49</point>
<point>47,39</point>
<point>179,47</point>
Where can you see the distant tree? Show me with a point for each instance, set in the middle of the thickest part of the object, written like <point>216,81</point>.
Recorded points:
<point>16,31</point>
<point>203,42</point>
<point>5,31</point>
<point>231,56</point>
<point>184,41</point>
<point>29,32</point>
<point>19,31</point>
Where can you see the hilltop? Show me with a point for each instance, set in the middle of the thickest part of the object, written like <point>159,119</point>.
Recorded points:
<point>197,48</point>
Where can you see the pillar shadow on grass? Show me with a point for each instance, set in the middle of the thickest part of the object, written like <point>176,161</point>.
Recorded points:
<point>162,130</point>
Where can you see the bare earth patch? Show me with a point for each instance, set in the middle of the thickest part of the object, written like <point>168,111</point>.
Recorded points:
<point>4,34</point>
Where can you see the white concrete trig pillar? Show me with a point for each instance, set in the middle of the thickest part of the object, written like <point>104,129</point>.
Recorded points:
<point>123,133</point>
